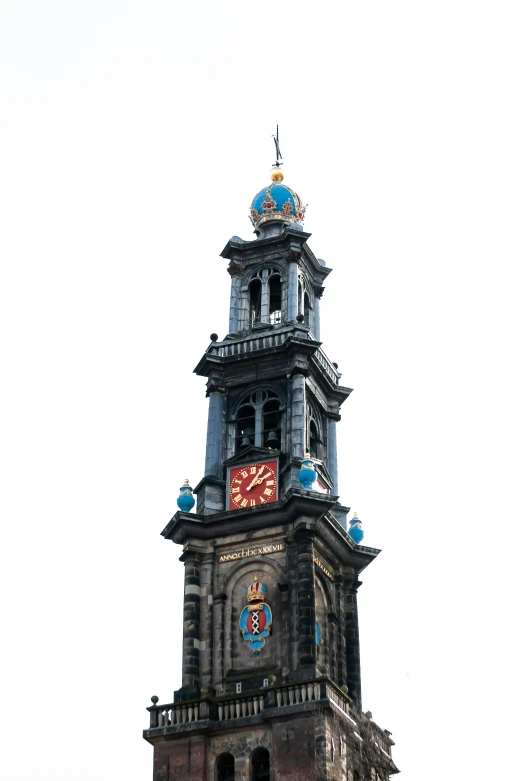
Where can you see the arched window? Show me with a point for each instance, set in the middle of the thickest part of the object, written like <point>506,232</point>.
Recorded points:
<point>258,421</point>
<point>245,426</point>
<point>265,297</point>
<point>314,432</point>
<point>225,767</point>
<point>261,765</point>
<point>306,309</point>
<point>255,298</point>
<point>275,299</point>
<point>313,439</point>
<point>271,435</point>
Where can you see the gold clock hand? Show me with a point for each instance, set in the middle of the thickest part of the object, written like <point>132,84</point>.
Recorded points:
<point>255,479</point>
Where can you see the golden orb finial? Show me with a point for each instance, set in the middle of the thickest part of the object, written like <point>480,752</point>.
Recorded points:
<point>277,173</point>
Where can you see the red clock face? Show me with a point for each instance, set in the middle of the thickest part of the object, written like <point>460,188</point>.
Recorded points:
<point>253,485</point>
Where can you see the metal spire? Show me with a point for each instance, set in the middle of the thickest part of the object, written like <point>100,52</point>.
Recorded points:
<point>277,145</point>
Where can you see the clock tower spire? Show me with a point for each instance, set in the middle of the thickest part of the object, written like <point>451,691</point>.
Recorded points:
<point>271,662</point>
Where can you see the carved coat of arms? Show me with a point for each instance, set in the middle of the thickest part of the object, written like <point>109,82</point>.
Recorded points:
<point>256,617</point>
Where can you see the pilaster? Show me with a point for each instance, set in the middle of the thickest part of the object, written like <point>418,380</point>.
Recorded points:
<point>235,301</point>
<point>292,292</point>
<point>298,416</point>
<point>219,640</point>
<point>306,601</point>
<point>206,620</point>
<point>215,425</point>
<point>191,621</point>
<point>353,641</point>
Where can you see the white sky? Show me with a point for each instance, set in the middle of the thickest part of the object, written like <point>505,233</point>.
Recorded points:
<point>134,135</point>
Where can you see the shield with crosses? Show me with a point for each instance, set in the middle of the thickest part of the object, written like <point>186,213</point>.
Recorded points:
<point>256,617</point>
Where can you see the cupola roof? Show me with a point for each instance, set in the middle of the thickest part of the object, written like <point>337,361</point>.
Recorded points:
<point>276,202</point>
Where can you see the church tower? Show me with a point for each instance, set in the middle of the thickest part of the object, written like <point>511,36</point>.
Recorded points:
<point>271,661</point>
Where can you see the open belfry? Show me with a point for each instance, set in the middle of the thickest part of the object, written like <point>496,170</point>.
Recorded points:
<point>271,660</point>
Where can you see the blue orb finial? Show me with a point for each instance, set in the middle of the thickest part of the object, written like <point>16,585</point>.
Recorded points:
<point>355,530</point>
<point>186,500</point>
<point>307,473</point>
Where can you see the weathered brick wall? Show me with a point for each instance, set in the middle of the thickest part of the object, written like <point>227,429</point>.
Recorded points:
<point>241,745</point>
<point>317,745</point>
<point>184,760</point>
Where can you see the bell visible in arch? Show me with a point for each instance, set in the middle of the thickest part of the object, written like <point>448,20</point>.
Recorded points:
<point>247,436</point>
<point>273,439</point>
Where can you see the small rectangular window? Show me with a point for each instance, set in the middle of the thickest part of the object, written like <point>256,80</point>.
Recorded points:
<point>265,682</point>
<point>238,688</point>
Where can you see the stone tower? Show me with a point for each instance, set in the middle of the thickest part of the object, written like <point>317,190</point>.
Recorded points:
<point>271,663</point>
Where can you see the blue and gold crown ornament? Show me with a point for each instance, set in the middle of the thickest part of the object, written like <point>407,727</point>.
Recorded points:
<point>277,202</point>
<point>186,499</point>
<point>257,591</point>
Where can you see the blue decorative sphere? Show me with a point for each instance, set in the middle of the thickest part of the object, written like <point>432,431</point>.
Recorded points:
<point>276,202</point>
<point>307,473</point>
<point>355,530</point>
<point>186,499</point>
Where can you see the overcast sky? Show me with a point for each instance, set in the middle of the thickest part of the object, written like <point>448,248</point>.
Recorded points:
<point>133,137</point>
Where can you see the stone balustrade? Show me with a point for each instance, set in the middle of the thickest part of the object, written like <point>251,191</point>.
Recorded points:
<point>320,357</point>
<point>253,343</point>
<point>249,704</point>
<point>293,695</point>
<point>249,344</point>
<point>240,707</point>
<point>174,715</point>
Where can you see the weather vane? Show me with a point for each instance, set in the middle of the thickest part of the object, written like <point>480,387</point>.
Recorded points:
<point>277,145</point>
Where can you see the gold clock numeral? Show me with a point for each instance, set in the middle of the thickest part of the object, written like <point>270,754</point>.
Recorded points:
<point>235,490</point>
<point>253,502</point>
<point>269,482</point>
<point>244,473</point>
<point>262,500</point>
<point>252,470</point>
<point>244,503</point>
<point>237,481</point>
<point>237,498</point>
<point>267,492</point>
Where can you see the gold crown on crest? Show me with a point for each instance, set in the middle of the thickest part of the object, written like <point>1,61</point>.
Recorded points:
<point>256,591</point>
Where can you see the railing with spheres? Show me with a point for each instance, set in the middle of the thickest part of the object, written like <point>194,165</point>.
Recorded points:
<point>232,707</point>
<point>253,342</point>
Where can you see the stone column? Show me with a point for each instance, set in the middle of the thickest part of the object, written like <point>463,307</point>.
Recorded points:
<point>332,452</point>
<point>206,620</point>
<point>307,650</point>
<point>332,650</point>
<point>341,655</point>
<point>213,451</point>
<point>264,308</point>
<point>218,610</point>
<point>352,635</point>
<point>191,621</point>
<point>258,420</point>
<point>234,310</point>
<point>298,416</point>
<point>292,293</point>
<point>317,323</point>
